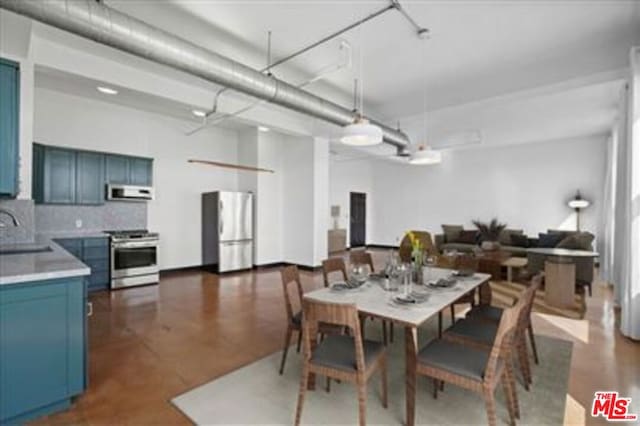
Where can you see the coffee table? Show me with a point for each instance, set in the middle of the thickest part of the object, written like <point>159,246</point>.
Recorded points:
<point>514,263</point>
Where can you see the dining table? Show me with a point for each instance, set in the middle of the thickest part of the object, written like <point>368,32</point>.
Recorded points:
<point>374,299</point>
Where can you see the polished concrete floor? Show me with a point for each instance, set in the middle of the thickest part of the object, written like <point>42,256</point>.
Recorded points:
<point>149,344</point>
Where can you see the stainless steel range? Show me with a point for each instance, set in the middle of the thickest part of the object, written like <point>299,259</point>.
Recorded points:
<point>134,258</point>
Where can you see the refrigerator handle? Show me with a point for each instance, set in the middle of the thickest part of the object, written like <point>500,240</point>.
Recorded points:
<point>221,217</point>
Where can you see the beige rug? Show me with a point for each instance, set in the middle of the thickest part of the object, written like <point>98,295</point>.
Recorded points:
<point>256,394</point>
<point>504,292</point>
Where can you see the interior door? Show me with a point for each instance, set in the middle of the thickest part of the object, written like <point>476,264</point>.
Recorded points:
<point>358,220</point>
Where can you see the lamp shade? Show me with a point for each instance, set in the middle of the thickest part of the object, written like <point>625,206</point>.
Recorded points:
<point>578,202</point>
<point>424,155</point>
<point>361,133</point>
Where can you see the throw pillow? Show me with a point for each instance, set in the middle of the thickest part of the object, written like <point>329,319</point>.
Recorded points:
<point>549,240</point>
<point>505,236</point>
<point>519,240</point>
<point>577,241</point>
<point>467,237</point>
<point>451,232</point>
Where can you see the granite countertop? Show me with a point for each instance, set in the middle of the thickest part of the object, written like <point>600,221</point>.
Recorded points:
<point>27,267</point>
<point>73,234</point>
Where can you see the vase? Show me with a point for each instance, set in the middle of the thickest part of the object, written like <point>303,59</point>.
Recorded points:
<point>490,245</point>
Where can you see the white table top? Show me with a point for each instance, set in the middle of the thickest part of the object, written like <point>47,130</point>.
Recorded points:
<point>372,299</point>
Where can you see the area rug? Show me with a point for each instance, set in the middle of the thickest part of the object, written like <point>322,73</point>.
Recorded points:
<point>256,394</point>
<point>504,292</point>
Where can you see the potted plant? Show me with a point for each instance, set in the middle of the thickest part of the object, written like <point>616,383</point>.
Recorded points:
<point>489,233</point>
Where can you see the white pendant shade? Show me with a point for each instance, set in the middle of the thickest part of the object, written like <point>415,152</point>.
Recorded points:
<point>423,156</point>
<point>361,133</point>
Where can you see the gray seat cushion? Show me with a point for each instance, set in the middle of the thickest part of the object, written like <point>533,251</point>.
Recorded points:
<point>486,311</point>
<point>458,246</point>
<point>480,331</point>
<point>339,352</point>
<point>455,358</point>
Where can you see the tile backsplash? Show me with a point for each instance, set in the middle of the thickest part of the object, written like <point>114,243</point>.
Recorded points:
<point>111,215</point>
<point>24,212</point>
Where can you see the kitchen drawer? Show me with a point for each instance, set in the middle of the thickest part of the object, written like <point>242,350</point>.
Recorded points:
<point>95,253</point>
<point>72,245</point>
<point>97,265</point>
<point>96,242</point>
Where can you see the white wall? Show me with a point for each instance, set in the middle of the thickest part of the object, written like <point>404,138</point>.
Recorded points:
<point>347,177</point>
<point>176,212</point>
<point>526,186</point>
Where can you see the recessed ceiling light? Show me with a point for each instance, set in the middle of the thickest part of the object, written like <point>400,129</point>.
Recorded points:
<point>198,113</point>
<point>263,128</point>
<point>107,90</point>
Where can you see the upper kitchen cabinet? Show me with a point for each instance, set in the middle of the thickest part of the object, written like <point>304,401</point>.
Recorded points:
<point>89,178</point>
<point>58,176</point>
<point>9,115</point>
<point>126,170</point>
<point>66,176</point>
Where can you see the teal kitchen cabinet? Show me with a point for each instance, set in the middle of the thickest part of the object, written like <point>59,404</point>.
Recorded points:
<point>9,125</point>
<point>117,167</point>
<point>89,178</point>
<point>43,347</point>
<point>140,171</point>
<point>67,176</point>
<point>59,176</point>
<point>125,170</point>
<point>93,252</point>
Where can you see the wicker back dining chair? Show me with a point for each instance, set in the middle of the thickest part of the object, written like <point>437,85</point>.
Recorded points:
<point>479,334</point>
<point>331,265</point>
<point>361,257</point>
<point>404,251</point>
<point>476,369</point>
<point>347,358</point>
<point>292,289</point>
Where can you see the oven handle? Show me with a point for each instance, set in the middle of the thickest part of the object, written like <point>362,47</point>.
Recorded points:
<point>135,244</point>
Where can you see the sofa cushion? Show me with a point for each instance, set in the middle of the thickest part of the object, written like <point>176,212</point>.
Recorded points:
<point>458,246</point>
<point>467,237</point>
<point>451,232</point>
<point>516,251</point>
<point>505,236</point>
<point>519,240</point>
<point>549,240</point>
<point>577,241</point>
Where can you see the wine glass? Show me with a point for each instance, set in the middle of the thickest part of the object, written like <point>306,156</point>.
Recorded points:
<point>430,261</point>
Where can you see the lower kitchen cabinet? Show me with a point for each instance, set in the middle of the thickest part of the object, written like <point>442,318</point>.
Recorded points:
<point>93,252</point>
<point>43,347</point>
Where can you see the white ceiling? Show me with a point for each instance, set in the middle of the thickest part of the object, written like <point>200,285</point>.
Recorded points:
<point>477,49</point>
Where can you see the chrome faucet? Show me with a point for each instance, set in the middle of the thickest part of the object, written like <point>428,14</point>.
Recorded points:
<point>11,215</point>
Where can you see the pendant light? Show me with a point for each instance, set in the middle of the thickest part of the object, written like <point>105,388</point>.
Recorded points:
<point>423,154</point>
<point>360,132</point>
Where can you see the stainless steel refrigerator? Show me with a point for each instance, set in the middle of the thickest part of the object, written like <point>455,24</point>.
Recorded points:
<point>227,231</point>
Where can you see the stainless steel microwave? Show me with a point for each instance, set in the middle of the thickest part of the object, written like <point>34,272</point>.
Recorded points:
<point>129,193</point>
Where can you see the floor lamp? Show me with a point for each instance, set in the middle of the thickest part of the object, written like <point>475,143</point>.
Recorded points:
<point>578,203</point>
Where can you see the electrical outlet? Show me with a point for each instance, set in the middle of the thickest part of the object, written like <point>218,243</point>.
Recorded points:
<point>78,223</point>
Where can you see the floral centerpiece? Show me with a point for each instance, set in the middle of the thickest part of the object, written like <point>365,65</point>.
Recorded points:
<point>417,256</point>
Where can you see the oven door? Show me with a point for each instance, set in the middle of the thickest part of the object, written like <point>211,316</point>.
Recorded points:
<point>133,258</point>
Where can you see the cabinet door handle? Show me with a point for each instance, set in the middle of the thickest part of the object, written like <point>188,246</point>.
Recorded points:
<point>89,309</point>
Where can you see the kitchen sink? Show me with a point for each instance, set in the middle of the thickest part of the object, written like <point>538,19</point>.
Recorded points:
<point>24,249</point>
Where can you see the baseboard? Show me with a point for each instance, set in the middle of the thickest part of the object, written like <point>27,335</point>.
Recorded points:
<point>181,269</point>
<point>382,246</point>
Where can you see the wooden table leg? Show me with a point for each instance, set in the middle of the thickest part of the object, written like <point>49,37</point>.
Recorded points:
<point>510,273</point>
<point>411,346</point>
<point>313,331</point>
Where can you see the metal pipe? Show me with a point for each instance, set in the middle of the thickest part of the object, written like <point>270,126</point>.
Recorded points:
<point>110,27</point>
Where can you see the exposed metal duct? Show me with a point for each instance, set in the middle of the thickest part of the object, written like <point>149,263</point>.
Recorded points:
<point>107,26</point>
